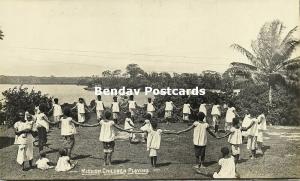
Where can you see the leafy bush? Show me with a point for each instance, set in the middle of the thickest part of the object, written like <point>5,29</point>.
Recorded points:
<point>20,99</point>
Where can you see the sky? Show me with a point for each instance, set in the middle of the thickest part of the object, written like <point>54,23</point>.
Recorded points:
<point>86,37</point>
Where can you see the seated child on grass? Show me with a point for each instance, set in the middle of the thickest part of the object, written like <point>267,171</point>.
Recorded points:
<point>64,163</point>
<point>227,165</point>
<point>43,163</point>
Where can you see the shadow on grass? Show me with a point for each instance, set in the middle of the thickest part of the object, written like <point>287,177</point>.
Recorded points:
<point>163,164</point>
<point>78,157</point>
<point>265,148</point>
<point>6,141</point>
<point>209,163</point>
<point>116,162</point>
<point>242,160</point>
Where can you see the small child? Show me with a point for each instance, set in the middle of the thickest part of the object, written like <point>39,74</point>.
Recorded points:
<point>115,108</point>
<point>199,138</point>
<point>169,106</point>
<point>246,122</point>
<point>107,136</point>
<point>186,111</point>
<point>235,138</point>
<point>262,126</point>
<point>81,108</point>
<point>146,126</point>
<point>64,163</point>
<point>252,137</point>
<point>43,162</point>
<point>57,111</point>
<point>68,130</point>
<point>216,113</point>
<point>129,125</point>
<point>230,114</point>
<point>227,165</point>
<point>150,107</point>
<point>153,141</point>
<point>132,105</point>
<point>99,107</point>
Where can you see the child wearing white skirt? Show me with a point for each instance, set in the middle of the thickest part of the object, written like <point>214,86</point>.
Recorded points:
<point>57,111</point>
<point>150,107</point>
<point>230,114</point>
<point>153,141</point>
<point>186,111</point>
<point>169,106</point>
<point>227,165</point>
<point>216,114</point>
<point>129,125</point>
<point>43,162</point>
<point>64,163</point>
<point>262,127</point>
<point>146,126</point>
<point>252,137</point>
<point>245,123</point>
<point>24,140</point>
<point>99,106</point>
<point>115,108</point>
<point>132,105</point>
<point>81,108</point>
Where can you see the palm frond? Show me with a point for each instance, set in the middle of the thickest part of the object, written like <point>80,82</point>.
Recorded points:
<point>243,51</point>
<point>292,64</point>
<point>289,35</point>
<point>245,66</point>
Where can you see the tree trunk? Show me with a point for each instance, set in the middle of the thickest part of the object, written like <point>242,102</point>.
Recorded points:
<point>270,95</point>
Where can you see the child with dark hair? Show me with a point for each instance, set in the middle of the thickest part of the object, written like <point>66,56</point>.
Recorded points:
<point>81,109</point>
<point>169,106</point>
<point>107,135</point>
<point>99,106</point>
<point>115,108</point>
<point>132,105</point>
<point>216,114</point>
<point>57,111</point>
<point>150,107</point>
<point>129,125</point>
<point>227,165</point>
<point>230,115</point>
<point>199,138</point>
<point>64,163</point>
<point>146,126</point>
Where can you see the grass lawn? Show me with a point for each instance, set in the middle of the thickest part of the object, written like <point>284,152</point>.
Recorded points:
<point>175,158</point>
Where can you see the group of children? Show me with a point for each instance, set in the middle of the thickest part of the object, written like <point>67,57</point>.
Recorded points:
<point>252,128</point>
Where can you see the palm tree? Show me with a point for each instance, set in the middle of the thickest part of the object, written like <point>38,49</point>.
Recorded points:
<point>271,60</point>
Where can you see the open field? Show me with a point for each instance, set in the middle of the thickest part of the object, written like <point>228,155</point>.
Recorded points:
<point>176,156</point>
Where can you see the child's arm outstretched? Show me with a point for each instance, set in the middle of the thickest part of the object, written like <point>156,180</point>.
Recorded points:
<point>128,131</point>
<point>246,128</point>
<point>165,131</point>
<point>224,136</point>
<point>186,130</point>
<point>212,133</point>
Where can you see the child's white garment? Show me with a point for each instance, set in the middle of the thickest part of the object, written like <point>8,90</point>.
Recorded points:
<point>261,127</point>
<point>200,133</point>
<point>252,137</point>
<point>115,107</point>
<point>40,121</point>
<point>150,107</point>
<point>153,139</point>
<point>236,136</point>
<point>227,168</point>
<point>127,123</point>
<point>42,164</point>
<point>22,138</point>
<point>202,108</point>
<point>99,106</point>
<point>169,106</point>
<point>63,164</point>
<point>230,114</point>
<point>131,104</point>
<point>186,109</point>
<point>246,123</point>
<point>57,111</point>
<point>80,108</point>
<point>67,126</point>
<point>253,131</point>
<point>215,110</point>
<point>107,133</point>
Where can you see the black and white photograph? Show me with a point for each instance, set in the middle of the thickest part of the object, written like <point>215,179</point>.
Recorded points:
<point>149,89</point>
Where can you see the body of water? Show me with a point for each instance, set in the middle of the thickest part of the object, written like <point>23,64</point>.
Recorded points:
<point>70,93</point>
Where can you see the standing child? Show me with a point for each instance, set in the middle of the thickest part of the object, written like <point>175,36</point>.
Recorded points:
<point>235,138</point>
<point>115,108</point>
<point>262,126</point>
<point>107,136</point>
<point>252,137</point>
<point>227,165</point>
<point>169,106</point>
<point>99,107</point>
<point>199,138</point>
<point>68,130</point>
<point>150,107</point>
<point>216,114</point>
<point>153,141</point>
<point>146,126</point>
<point>64,163</point>
<point>246,122</point>
<point>57,111</point>
<point>132,105</point>
<point>129,125</point>
<point>230,114</point>
<point>81,108</point>
<point>186,111</point>
<point>43,162</point>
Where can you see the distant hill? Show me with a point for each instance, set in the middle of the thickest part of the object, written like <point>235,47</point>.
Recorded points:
<point>39,80</point>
